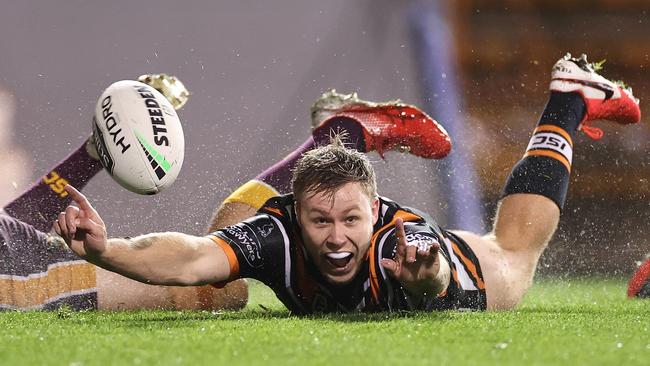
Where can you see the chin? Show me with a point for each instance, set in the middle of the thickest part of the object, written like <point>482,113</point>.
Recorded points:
<point>340,280</point>
<point>339,276</point>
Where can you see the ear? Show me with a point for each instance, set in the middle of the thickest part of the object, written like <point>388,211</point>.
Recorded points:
<point>375,210</point>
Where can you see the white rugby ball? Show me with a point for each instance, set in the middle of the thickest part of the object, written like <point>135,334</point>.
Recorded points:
<point>138,136</point>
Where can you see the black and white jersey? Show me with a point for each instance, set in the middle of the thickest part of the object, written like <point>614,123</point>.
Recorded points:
<point>268,247</point>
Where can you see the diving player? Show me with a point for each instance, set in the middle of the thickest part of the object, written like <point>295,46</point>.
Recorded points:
<point>36,273</point>
<point>335,245</point>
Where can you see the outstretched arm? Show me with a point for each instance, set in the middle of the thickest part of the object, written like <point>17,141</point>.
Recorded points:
<point>158,258</point>
<point>422,270</point>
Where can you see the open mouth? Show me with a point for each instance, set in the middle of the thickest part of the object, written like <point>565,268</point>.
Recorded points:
<point>339,260</point>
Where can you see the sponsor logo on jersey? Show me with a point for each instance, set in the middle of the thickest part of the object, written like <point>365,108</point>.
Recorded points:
<point>243,236</point>
<point>156,117</point>
<point>265,230</point>
<point>421,239</point>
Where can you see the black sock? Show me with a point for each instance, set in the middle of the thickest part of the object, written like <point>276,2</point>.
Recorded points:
<point>546,165</point>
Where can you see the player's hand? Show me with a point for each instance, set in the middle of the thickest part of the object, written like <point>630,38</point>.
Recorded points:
<point>414,266</point>
<point>81,227</point>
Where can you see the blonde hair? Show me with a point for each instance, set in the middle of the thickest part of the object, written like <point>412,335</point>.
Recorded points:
<point>327,168</point>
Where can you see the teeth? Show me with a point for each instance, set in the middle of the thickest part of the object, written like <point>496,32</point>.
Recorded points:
<point>338,255</point>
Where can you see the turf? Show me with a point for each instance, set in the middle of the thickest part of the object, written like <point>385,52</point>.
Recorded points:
<point>568,322</point>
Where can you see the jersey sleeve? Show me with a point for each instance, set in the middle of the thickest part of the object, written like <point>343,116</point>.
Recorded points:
<point>252,247</point>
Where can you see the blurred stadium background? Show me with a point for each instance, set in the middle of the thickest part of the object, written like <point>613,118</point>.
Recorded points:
<point>480,67</point>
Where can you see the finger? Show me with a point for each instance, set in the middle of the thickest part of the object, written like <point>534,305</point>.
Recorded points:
<point>424,253</point>
<point>391,266</point>
<point>71,218</point>
<point>61,221</point>
<point>82,202</point>
<point>430,255</point>
<point>399,229</point>
<point>90,226</point>
<point>56,227</point>
<point>400,235</point>
<point>78,197</point>
<point>411,251</point>
<point>428,250</point>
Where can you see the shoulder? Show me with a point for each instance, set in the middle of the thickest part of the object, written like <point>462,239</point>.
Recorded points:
<point>281,207</point>
<point>418,226</point>
<point>259,244</point>
<point>390,210</point>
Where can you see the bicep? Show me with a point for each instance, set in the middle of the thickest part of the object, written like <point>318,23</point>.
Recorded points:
<point>213,262</point>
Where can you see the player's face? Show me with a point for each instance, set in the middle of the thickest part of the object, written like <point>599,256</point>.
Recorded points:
<point>337,230</point>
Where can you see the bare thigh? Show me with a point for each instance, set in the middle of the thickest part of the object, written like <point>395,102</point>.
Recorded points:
<point>507,274</point>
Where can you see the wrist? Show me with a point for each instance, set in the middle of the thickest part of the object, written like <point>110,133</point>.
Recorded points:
<point>433,284</point>
<point>110,250</point>
<point>442,278</point>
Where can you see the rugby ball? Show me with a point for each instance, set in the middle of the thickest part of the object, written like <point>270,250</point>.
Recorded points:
<point>138,136</point>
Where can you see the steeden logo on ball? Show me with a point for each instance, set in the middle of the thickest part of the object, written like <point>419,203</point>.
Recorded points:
<point>138,136</point>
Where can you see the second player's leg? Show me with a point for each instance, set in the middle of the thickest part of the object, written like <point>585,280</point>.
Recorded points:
<point>40,204</point>
<point>38,273</point>
<point>116,292</point>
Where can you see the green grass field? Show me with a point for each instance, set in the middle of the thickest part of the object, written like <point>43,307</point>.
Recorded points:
<point>574,322</point>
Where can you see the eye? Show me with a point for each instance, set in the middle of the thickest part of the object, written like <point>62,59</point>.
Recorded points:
<point>319,220</point>
<point>351,219</point>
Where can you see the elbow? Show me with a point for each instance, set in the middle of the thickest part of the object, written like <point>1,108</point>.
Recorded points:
<point>444,276</point>
<point>172,276</point>
<point>192,275</point>
<point>183,279</point>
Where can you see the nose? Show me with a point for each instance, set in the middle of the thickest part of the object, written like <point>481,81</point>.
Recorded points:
<point>337,235</point>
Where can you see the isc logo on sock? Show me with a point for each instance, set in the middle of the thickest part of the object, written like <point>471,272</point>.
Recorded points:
<point>552,142</point>
<point>56,183</point>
